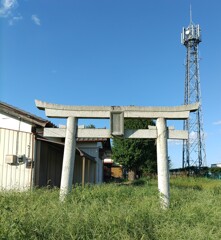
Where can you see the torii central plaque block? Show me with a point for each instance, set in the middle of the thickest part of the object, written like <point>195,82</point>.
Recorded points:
<point>117,114</point>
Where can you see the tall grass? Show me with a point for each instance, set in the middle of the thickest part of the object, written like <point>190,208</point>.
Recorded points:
<point>113,211</point>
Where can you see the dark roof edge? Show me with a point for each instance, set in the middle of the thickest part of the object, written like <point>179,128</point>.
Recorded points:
<point>24,116</point>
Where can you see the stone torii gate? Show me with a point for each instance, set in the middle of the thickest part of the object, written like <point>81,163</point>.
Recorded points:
<point>116,114</point>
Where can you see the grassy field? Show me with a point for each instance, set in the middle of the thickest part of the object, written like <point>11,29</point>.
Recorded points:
<point>115,211</point>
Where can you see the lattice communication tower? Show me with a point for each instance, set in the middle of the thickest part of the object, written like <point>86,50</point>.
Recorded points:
<point>194,153</point>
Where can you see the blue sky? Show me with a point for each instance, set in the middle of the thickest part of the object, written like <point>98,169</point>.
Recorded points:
<point>110,52</point>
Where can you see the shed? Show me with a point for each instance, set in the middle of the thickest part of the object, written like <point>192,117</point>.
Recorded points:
<point>28,159</point>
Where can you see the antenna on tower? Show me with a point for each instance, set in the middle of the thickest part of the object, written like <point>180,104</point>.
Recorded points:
<point>191,15</point>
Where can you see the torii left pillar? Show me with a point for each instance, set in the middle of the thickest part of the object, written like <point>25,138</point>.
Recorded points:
<point>69,157</point>
<point>162,163</point>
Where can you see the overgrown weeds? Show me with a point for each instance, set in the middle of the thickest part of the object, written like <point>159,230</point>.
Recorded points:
<point>113,211</point>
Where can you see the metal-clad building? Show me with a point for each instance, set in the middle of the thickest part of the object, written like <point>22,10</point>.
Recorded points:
<point>18,129</point>
<point>28,159</point>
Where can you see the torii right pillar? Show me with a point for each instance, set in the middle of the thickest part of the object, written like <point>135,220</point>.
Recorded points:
<point>162,163</point>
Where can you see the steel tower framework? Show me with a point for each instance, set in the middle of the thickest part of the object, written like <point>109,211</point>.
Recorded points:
<point>194,153</point>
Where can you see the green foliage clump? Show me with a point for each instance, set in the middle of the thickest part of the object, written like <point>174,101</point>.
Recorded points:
<point>138,155</point>
<point>114,211</point>
<point>215,170</point>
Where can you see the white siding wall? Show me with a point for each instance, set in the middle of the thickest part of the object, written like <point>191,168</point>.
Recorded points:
<point>14,124</point>
<point>15,176</point>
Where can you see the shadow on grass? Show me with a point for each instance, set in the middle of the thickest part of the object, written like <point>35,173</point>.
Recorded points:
<point>181,186</point>
<point>136,183</point>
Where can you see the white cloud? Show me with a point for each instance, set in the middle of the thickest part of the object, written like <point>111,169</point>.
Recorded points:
<point>217,123</point>
<point>36,19</point>
<point>175,142</point>
<point>6,6</point>
<point>15,19</point>
<point>192,136</point>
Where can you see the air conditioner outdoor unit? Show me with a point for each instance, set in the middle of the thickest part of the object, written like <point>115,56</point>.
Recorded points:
<point>11,159</point>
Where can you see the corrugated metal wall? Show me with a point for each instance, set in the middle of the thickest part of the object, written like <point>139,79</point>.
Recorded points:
<point>17,175</point>
<point>48,164</point>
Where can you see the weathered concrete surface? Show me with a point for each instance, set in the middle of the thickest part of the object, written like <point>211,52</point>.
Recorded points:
<point>63,111</point>
<point>162,163</point>
<point>69,158</point>
<point>105,133</point>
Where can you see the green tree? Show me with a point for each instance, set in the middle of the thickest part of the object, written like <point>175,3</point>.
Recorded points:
<point>136,155</point>
<point>90,126</point>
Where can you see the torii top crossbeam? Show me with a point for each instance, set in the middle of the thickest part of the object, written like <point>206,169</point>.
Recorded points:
<point>64,111</point>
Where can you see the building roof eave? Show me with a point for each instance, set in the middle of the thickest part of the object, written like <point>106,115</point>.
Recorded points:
<point>24,116</point>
